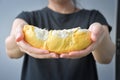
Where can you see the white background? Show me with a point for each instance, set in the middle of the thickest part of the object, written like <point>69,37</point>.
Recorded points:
<point>10,69</point>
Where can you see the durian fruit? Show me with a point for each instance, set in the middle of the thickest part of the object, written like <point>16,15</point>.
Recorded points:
<point>58,41</point>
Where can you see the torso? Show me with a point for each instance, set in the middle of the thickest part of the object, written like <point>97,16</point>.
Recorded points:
<point>59,69</point>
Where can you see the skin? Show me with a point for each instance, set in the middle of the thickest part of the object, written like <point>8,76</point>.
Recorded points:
<point>102,47</point>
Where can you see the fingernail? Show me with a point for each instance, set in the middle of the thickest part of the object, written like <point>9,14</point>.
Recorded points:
<point>54,55</point>
<point>46,52</point>
<point>61,56</point>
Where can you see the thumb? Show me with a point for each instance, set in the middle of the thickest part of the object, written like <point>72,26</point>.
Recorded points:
<point>93,37</point>
<point>19,37</point>
<point>95,29</point>
<point>19,34</point>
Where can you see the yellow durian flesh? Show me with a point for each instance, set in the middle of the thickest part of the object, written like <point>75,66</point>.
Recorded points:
<point>30,37</point>
<point>58,41</point>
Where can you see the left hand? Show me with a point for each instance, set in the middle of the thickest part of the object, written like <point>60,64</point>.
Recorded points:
<point>97,35</point>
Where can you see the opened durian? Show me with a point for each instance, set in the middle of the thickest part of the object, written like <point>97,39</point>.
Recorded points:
<point>58,41</point>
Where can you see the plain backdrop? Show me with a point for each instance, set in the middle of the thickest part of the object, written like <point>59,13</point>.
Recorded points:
<point>10,69</point>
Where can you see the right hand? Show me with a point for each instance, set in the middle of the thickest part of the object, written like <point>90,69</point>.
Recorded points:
<point>28,49</point>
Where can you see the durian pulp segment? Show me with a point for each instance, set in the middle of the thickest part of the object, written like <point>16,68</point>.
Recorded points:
<point>41,33</point>
<point>30,37</point>
<point>58,41</point>
<point>64,33</point>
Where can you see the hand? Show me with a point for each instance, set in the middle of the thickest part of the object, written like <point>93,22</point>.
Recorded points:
<point>28,49</point>
<point>97,35</point>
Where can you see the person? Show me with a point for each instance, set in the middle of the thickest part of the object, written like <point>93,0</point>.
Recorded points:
<point>76,65</point>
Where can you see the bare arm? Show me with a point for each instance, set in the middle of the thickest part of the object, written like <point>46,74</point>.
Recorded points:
<point>16,46</point>
<point>105,50</point>
<point>12,49</point>
<point>102,47</point>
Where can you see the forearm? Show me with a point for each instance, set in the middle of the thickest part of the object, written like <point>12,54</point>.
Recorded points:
<point>105,50</point>
<point>12,49</point>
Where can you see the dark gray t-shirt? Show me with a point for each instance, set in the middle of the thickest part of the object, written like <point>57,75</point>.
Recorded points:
<point>60,69</point>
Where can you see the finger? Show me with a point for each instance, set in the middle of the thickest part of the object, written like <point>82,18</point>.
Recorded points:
<point>96,30</point>
<point>93,37</point>
<point>66,55</point>
<point>55,55</point>
<point>94,34</point>
<point>19,37</point>
<point>41,56</point>
<point>77,54</point>
<point>71,56</point>
<point>49,55</point>
<point>81,53</point>
<point>31,49</point>
<point>19,34</point>
<point>89,49</point>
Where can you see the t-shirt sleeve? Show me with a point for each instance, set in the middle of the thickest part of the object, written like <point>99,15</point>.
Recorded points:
<point>27,16</point>
<point>98,17</point>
